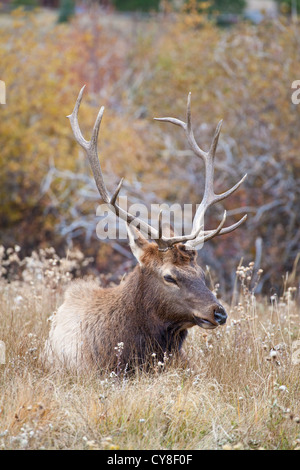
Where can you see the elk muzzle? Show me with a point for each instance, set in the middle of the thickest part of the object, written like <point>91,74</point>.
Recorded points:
<point>220,315</point>
<point>216,317</point>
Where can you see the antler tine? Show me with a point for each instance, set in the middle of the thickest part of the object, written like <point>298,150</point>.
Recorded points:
<point>187,127</point>
<point>213,148</point>
<point>160,229</point>
<point>232,227</point>
<point>209,196</point>
<point>90,148</point>
<point>74,121</point>
<point>165,243</point>
<point>220,197</point>
<point>212,233</point>
<point>209,234</point>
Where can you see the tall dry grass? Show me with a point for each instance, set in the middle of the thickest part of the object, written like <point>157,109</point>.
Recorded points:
<point>241,390</point>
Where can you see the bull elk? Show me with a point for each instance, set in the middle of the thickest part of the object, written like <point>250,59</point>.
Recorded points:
<point>150,312</point>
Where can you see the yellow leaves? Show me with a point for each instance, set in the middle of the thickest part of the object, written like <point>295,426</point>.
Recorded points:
<point>206,5</point>
<point>285,8</point>
<point>194,15</point>
<point>18,13</point>
<point>43,66</point>
<point>88,38</point>
<point>13,166</point>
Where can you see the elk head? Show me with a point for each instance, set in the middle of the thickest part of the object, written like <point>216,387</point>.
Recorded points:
<point>168,264</point>
<point>175,278</point>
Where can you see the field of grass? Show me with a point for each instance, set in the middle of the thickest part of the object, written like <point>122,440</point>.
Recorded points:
<point>241,390</point>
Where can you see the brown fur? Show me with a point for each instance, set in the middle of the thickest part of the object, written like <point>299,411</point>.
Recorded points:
<point>148,315</point>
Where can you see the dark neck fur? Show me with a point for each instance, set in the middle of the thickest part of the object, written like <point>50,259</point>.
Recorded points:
<point>149,312</point>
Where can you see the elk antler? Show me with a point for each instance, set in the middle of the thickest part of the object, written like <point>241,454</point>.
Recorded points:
<point>90,148</point>
<point>209,196</point>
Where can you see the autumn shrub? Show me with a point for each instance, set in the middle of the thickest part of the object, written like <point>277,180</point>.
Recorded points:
<point>286,6</point>
<point>44,65</point>
<point>218,6</point>
<point>242,75</point>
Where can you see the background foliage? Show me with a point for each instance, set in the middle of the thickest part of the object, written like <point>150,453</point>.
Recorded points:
<point>243,75</point>
<point>129,5</point>
<point>287,5</point>
<point>228,6</point>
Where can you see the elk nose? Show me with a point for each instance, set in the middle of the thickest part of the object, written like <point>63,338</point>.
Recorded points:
<point>220,315</point>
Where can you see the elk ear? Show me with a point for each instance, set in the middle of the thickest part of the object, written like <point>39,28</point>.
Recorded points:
<point>137,242</point>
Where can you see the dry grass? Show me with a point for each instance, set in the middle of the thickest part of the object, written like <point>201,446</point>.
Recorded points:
<point>241,391</point>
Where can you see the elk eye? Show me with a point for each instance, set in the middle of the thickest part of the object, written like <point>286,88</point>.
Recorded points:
<point>170,279</point>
